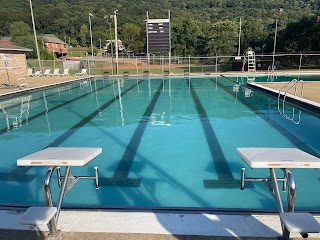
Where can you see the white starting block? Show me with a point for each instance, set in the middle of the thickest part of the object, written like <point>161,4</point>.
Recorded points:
<point>55,158</point>
<point>300,223</point>
<point>283,158</point>
<point>38,215</point>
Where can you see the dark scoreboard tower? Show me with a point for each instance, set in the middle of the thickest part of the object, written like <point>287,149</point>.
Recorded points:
<point>158,36</point>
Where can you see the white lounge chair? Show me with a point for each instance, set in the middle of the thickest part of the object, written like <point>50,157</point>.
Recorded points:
<point>65,72</point>
<point>82,73</point>
<point>46,73</point>
<point>19,83</point>
<point>29,72</point>
<point>37,74</point>
<point>55,72</point>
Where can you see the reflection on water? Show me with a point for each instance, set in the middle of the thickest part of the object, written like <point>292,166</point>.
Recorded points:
<point>16,111</point>
<point>121,84</point>
<point>47,117</point>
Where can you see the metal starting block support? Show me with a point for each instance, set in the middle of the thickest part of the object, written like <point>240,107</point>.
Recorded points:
<point>284,159</point>
<point>74,179</point>
<point>291,221</point>
<point>55,157</point>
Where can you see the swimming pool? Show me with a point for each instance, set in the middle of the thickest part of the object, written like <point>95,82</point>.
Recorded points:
<point>167,143</point>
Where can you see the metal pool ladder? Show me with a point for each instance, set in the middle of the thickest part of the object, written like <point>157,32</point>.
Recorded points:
<point>285,89</point>
<point>272,74</point>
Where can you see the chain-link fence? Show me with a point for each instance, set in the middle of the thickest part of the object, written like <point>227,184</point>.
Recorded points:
<point>137,65</point>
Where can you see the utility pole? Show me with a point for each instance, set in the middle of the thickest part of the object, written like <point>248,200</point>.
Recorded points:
<point>35,36</point>
<point>90,14</point>
<point>239,37</point>
<point>116,40</point>
<point>275,40</point>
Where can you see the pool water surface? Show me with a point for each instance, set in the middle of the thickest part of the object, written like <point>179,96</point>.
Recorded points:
<point>167,143</point>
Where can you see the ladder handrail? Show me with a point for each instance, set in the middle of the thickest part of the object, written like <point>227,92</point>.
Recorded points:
<point>269,74</point>
<point>244,63</point>
<point>279,94</point>
<point>275,71</point>
<point>295,88</point>
<point>294,83</point>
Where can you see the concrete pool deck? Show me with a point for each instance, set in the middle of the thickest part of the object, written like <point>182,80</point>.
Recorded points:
<point>102,224</point>
<point>310,92</point>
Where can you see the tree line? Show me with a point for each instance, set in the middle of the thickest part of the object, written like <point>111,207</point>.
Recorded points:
<point>198,27</point>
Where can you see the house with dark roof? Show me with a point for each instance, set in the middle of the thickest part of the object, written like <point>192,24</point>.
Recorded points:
<point>13,62</point>
<point>50,41</point>
<point>54,44</point>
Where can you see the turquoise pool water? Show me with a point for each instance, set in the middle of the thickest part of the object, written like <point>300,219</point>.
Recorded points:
<point>167,143</point>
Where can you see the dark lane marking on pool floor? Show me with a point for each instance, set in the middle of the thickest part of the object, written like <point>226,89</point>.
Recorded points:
<point>225,177</point>
<point>19,174</point>
<point>120,177</point>
<point>88,118</point>
<point>22,176</point>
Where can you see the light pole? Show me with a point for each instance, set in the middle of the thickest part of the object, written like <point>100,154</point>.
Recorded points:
<point>116,40</point>
<point>35,36</point>
<point>275,39</point>
<point>90,15</point>
<point>239,37</point>
<point>110,33</point>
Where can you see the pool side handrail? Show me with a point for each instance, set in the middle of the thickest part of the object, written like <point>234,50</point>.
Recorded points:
<point>293,83</point>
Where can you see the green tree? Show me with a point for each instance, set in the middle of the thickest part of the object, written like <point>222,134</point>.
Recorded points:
<point>254,35</point>
<point>303,35</point>
<point>19,29</point>
<point>100,33</point>
<point>27,42</point>
<point>84,33</point>
<point>45,55</point>
<point>130,35</point>
<point>65,17</point>
<point>222,38</point>
<point>185,37</point>
<point>21,36</point>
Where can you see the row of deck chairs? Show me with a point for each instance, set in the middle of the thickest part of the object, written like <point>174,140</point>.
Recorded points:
<point>47,73</point>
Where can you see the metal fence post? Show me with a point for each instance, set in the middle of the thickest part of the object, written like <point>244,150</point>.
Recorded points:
<point>161,60</point>
<point>137,65</point>
<point>216,63</point>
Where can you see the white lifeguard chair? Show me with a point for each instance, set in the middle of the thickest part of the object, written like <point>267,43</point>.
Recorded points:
<point>250,55</point>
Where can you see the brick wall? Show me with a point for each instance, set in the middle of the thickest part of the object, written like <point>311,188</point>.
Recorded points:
<point>17,60</point>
